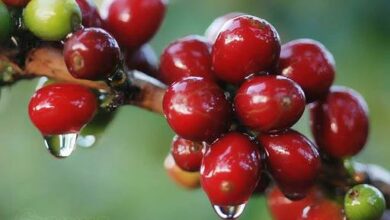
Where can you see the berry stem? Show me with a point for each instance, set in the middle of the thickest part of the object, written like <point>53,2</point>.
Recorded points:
<point>49,62</point>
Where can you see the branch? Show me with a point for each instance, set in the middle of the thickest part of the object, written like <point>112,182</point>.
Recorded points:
<point>48,61</point>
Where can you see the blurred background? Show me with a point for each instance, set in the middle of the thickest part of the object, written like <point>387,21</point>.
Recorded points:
<point>122,177</point>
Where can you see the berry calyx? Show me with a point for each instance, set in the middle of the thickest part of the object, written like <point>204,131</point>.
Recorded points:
<point>188,155</point>
<point>364,202</point>
<point>187,180</point>
<point>90,14</point>
<point>133,22</point>
<point>16,3</point>
<point>215,27</point>
<point>293,162</point>
<point>188,56</point>
<point>245,45</point>
<point>309,64</point>
<point>340,122</point>
<point>52,20</point>
<point>62,108</point>
<point>230,170</point>
<point>5,22</point>
<point>269,103</point>
<point>91,53</point>
<point>197,109</point>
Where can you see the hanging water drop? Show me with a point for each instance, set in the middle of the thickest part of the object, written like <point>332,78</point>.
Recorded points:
<point>229,212</point>
<point>61,146</point>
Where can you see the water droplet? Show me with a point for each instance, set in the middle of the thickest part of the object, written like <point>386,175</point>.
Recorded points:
<point>86,141</point>
<point>61,146</point>
<point>229,212</point>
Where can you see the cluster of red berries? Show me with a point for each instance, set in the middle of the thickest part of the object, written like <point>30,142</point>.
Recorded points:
<point>234,96</point>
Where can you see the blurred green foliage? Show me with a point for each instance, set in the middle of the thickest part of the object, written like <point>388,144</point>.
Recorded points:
<point>123,178</point>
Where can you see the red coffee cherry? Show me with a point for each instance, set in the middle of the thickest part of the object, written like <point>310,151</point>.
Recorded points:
<point>144,59</point>
<point>188,56</point>
<point>340,123</point>
<point>245,45</point>
<point>91,53</point>
<point>269,103</point>
<point>230,170</point>
<point>89,11</point>
<point>216,26</point>
<point>188,155</point>
<point>197,109</point>
<point>323,210</point>
<point>310,64</point>
<point>62,108</point>
<point>282,208</point>
<point>133,22</point>
<point>16,3</point>
<point>187,180</point>
<point>292,160</point>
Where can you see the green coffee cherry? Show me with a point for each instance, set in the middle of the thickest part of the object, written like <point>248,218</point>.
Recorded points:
<point>364,202</point>
<point>5,22</point>
<point>52,20</point>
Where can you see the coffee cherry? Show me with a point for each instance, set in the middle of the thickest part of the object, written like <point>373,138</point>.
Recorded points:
<point>323,210</point>
<point>92,54</point>
<point>364,202</point>
<point>62,108</point>
<point>90,14</point>
<point>230,170</point>
<point>144,60</point>
<point>187,180</point>
<point>282,208</point>
<point>188,155</point>
<point>5,22</point>
<point>340,122</point>
<point>269,103</point>
<point>133,22</point>
<point>16,3</point>
<point>197,109</point>
<point>292,160</point>
<point>52,20</point>
<point>310,64</point>
<point>245,45</point>
<point>215,27</point>
<point>188,56</point>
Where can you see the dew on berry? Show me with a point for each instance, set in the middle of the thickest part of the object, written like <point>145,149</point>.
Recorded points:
<point>229,212</point>
<point>86,141</point>
<point>61,146</point>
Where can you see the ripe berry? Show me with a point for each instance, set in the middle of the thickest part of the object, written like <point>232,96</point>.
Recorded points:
<point>364,202</point>
<point>90,14</point>
<point>133,22</point>
<point>292,160</point>
<point>323,210</point>
<point>216,26</point>
<point>340,122</point>
<point>188,155</point>
<point>62,108</point>
<point>282,208</point>
<point>245,45</point>
<point>188,180</point>
<point>16,3</point>
<point>310,64</point>
<point>188,56</point>
<point>231,170</point>
<point>144,60</point>
<point>197,109</point>
<point>5,22</point>
<point>269,103</point>
<point>52,20</point>
<point>91,53</point>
